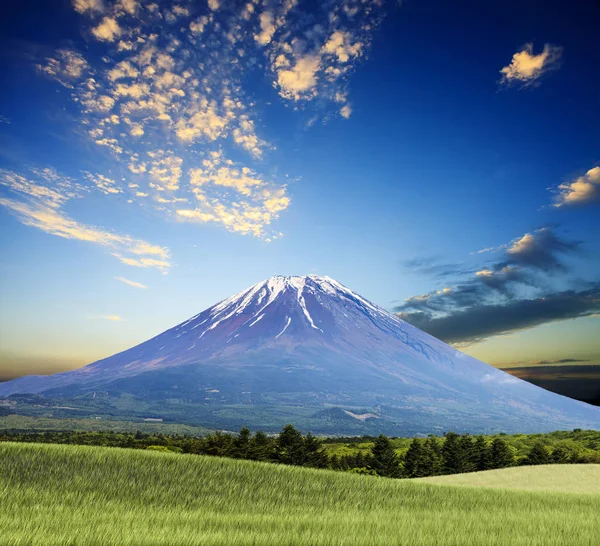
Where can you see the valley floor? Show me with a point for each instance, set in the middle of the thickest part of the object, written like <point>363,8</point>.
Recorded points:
<point>78,495</point>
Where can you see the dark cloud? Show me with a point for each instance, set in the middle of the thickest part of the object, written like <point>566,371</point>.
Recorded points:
<point>498,297</point>
<point>539,250</point>
<point>561,361</point>
<point>477,322</point>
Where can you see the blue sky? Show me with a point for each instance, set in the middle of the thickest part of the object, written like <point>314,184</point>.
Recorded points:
<point>159,156</point>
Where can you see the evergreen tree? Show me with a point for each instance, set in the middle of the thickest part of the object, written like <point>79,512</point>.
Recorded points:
<point>261,447</point>
<point>468,460</point>
<point>452,453</point>
<point>241,444</point>
<point>359,460</point>
<point>218,444</point>
<point>290,446</point>
<point>483,455</point>
<point>314,454</point>
<point>334,462</point>
<point>538,455</point>
<point>344,463</point>
<point>432,457</point>
<point>385,461</point>
<point>560,455</point>
<point>414,460</point>
<point>500,454</point>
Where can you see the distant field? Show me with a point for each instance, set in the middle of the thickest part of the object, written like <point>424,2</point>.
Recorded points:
<point>76,495</point>
<point>565,478</point>
<point>25,423</point>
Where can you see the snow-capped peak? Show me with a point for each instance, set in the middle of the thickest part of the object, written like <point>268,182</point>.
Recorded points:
<point>248,307</point>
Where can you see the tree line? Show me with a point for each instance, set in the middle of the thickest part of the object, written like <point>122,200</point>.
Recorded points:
<point>432,456</point>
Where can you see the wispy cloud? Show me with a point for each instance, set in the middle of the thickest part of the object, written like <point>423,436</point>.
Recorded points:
<point>114,318</point>
<point>131,283</point>
<point>431,266</point>
<point>526,68</point>
<point>584,190</point>
<point>39,203</point>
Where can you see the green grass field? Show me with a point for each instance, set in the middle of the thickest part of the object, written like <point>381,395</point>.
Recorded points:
<point>59,494</point>
<point>562,478</point>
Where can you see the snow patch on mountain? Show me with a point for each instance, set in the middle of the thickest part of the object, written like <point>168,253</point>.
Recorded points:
<point>289,320</point>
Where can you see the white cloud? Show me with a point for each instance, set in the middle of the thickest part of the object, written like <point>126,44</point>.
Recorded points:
<point>581,191</point>
<point>181,11</point>
<point>166,171</point>
<point>124,69</point>
<point>267,28</point>
<point>214,4</point>
<point>131,283</point>
<point>82,6</point>
<point>130,6</point>
<point>526,67</point>
<point>197,26</point>
<point>66,67</point>
<point>108,30</point>
<point>103,183</point>
<point>340,44</point>
<point>346,111</point>
<point>300,81</point>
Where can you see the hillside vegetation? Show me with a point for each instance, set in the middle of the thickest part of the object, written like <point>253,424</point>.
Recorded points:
<point>392,458</point>
<point>79,495</point>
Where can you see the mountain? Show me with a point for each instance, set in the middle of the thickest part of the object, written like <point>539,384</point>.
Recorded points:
<point>308,350</point>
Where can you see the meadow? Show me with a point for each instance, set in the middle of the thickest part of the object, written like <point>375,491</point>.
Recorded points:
<point>559,478</point>
<point>83,495</point>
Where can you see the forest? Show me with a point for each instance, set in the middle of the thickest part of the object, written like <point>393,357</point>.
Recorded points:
<point>381,456</point>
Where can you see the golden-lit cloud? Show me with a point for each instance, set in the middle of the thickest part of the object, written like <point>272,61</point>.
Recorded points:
<point>316,61</point>
<point>257,202</point>
<point>346,111</point>
<point>526,67</point>
<point>108,30</point>
<point>130,6</point>
<point>131,283</point>
<point>581,191</point>
<point>267,28</point>
<point>81,6</point>
<point>168,92</point>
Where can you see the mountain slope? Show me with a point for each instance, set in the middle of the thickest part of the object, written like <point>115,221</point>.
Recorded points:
<point>310,345</point>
